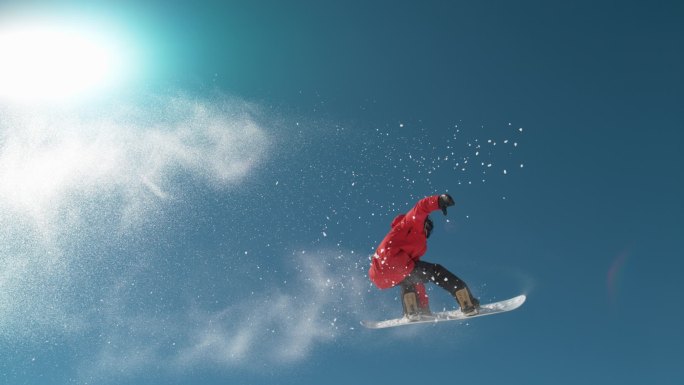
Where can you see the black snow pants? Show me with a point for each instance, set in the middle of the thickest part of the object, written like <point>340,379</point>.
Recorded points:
<point>431,272</point>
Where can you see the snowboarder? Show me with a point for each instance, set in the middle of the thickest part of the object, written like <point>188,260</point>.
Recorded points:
<point>397,261</point>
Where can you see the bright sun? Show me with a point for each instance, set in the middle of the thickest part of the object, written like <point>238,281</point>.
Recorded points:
<point>46,61</point>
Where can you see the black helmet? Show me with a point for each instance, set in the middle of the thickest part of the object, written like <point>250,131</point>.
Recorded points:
<point>428,226</point>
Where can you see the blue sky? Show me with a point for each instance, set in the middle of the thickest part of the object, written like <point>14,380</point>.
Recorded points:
<point>209,219</point>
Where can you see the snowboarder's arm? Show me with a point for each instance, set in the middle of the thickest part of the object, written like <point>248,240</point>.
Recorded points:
<point>422,209</point>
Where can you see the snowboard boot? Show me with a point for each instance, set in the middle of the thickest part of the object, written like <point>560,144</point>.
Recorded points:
<point>412,309</point>
<point>469,304</point>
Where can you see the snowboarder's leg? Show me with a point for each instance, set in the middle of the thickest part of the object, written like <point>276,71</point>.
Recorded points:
<point>409,301</point>
<point>423,299</point>
<point>414,299</point>
<point>469,304</point>
<point>449,282</point>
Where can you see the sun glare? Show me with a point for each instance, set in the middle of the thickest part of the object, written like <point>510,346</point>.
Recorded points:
<point>47,61</point>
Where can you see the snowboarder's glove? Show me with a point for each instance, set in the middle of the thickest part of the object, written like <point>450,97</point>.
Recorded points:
<point>444,201</point>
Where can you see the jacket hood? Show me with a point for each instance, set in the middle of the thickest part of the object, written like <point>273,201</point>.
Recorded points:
<point>398,219</point>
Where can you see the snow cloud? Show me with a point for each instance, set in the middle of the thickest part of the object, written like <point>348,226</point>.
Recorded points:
<point>49,160</point>
<point>78,187</point>
<point>65,174</point>
<point>286,325</point>
<point>278,326</point>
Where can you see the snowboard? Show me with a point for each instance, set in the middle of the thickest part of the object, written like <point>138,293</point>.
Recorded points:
<point>452,315</point>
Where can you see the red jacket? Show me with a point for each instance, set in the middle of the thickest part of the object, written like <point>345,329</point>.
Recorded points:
<point>395,258</point>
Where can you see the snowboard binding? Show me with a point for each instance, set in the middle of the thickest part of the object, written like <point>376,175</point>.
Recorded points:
<point>412,309</point>
<point>469,305</point>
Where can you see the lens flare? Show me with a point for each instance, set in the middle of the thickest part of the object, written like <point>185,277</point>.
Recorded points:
<point>49,60</point>
<point>614,272</point>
